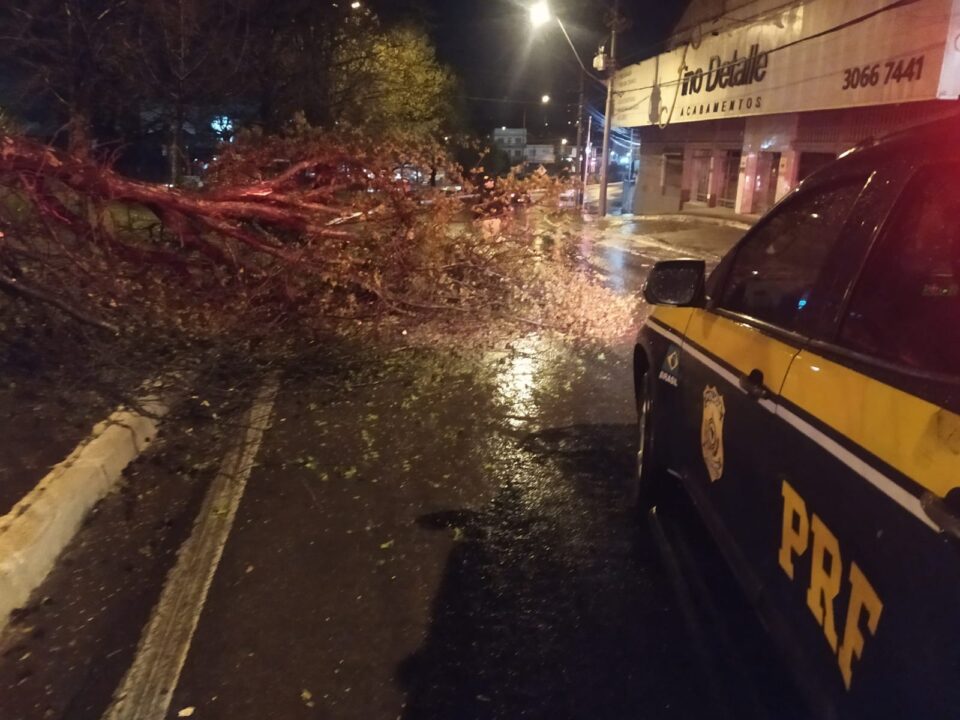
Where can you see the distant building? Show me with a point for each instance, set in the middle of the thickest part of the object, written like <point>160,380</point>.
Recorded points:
<point>512,141</point>
<point>540,154</point>
<point>754,95</point>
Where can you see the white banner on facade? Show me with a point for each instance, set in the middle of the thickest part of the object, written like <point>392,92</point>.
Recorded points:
<point>818,55</point>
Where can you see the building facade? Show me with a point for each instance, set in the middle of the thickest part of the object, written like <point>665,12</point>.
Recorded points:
<point>756,95</point>
<point>513,141</point>
<point>540,154</point>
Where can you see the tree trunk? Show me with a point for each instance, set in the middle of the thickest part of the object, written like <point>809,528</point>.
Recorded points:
<point>78,133</point>
<point>176,145</point>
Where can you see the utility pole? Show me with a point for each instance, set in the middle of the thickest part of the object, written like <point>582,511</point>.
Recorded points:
<point>581,151</point>
<point>608,120</point>
<point>586,160</point>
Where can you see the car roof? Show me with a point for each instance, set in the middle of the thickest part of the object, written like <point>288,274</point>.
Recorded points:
<point>938,140</point>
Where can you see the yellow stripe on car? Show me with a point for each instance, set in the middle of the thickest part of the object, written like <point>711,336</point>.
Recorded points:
<point>676,317</point>
<point>741,346</point>
<point>914,436</point>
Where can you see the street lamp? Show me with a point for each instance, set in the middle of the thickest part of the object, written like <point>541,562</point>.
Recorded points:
<point>545,99</point>
<point>540,13</point>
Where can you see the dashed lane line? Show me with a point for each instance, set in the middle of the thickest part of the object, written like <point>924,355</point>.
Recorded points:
<point>147,688</point>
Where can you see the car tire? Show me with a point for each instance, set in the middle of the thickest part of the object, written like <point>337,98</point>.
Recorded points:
<point>648,480</point>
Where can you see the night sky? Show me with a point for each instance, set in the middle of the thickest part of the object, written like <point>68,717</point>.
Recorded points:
<point>504,65</point>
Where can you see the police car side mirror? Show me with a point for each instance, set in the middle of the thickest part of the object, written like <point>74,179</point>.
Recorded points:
<point>677,282</point>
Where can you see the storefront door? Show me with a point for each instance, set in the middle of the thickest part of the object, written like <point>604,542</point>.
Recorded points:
<point>731,178</point>
<point>701,169</point>
<point>765,188</point>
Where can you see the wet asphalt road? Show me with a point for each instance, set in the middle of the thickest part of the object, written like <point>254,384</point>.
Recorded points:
<point>445,535</point>
<point>448,538</point>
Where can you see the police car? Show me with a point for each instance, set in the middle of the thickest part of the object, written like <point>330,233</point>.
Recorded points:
<point>807,398</point>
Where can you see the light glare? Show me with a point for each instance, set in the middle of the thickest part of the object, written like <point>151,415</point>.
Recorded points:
<point>540,13</point>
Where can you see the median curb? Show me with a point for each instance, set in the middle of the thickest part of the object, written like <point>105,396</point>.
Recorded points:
<point>691,218</point>
<point>39,527</point>
<point>705,219</point>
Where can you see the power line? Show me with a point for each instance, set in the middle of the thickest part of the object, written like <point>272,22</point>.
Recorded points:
<point>509,101</point>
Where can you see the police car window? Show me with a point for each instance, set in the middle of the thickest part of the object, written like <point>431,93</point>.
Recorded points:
<point>906,306</point>
<point>776,268</point>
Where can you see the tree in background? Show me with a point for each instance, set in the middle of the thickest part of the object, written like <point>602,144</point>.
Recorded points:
<point>396,84</point>
<point>189,53</point>
<point>127,71</point>
<point>338,65</point>
<point>63,59</point>
<point>290,59</point>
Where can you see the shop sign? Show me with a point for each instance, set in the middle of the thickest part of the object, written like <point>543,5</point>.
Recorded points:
<point>815,56</point>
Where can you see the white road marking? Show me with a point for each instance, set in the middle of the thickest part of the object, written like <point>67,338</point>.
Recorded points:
<point>675,339</point>
<point>147,688</point>
<point>881,482</point>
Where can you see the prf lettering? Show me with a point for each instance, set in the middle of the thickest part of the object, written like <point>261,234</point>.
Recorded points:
<point>803,534</point>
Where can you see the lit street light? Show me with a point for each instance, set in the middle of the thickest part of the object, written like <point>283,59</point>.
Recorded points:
<point>545,99</point>
<point>540,14</point>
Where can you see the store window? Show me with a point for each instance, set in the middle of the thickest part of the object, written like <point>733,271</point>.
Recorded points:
<point>775,270</point>
<point>906,306</point>
<point>731,178</point>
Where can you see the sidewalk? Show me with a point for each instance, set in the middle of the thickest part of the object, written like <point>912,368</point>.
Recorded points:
<point>660,237</point>
<point>712,215</point>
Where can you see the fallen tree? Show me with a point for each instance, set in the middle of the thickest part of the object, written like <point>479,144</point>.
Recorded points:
<point>305,231</point>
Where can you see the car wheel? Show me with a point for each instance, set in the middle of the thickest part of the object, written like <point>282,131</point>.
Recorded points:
<point>649,475</point>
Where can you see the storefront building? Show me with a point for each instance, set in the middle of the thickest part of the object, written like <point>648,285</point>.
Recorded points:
<point>756,97</point>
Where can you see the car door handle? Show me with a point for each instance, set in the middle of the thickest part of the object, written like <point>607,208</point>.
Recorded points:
<point>942,514</point>
<point>753,386</point>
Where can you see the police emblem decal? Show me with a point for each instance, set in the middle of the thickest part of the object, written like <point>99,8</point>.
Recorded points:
<point>669,371</point>
<point>673,359</point>
<point>711,432</point>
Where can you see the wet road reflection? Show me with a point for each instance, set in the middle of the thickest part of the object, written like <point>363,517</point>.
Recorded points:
<point>553,606</point>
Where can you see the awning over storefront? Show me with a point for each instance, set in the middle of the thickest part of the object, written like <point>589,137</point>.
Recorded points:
<point>823,54</point>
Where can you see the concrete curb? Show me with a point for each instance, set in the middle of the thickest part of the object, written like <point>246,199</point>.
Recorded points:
<point>39,527</point>
<point>680,217</point>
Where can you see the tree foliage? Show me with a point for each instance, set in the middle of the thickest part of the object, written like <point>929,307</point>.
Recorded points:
<point>337,65</point>
<point>119,70</point>
<point>397,85</point>
<point>303,231</point>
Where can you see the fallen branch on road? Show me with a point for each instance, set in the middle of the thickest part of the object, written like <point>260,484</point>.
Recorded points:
<point>292,234</point>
